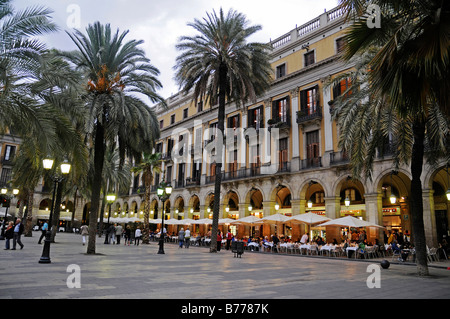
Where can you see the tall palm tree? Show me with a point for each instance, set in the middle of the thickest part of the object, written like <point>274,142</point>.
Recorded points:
<point>220,64</point>
<point>409,71</point>
<point>117,74</point>
<point>150,164</point>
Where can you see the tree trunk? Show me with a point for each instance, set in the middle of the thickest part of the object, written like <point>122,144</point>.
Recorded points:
<point>219,144</point>
<point>29,214</point>
<point>99,154</point>
<point>72,219</point>
<point>146,229</point>
<point>416,198</point>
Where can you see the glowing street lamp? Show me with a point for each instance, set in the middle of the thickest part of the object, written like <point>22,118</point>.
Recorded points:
<point>57,178</point>
<point>163,191</point>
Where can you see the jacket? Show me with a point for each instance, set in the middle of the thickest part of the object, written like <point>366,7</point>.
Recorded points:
<point>9,233</point>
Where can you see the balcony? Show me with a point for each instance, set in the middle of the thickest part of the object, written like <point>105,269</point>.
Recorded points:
<point>192,181</point>
<point>284,167</point>
<point>306,115</point>
<point>308,163</point>
<point>7,160</point>
<point>338,158</point>
<point>180,183</point>
<point>282,123</point>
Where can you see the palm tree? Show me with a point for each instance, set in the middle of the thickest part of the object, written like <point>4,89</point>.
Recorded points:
<point>117,74</point>
<point>150,164</point>
<point>20,55</point>
<point>407,77</point>
<point>220,64</point>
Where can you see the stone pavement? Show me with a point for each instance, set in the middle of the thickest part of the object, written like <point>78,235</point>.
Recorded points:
<point>138,272</point>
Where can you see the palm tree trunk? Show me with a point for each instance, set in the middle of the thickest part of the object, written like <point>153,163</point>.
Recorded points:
<point>219,143</point>
<point>416,197</point>
<point>99,154</point>
<point>146,230</point>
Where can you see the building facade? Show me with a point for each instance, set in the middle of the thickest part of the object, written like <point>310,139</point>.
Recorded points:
<point>281,154</point>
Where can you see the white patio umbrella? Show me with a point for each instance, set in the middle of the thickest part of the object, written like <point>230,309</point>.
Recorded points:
<point>187,221</point>
<point>203,221</point>
<point>275,219</point>
<point>307,218</point>
<point>155,221</point>
<point>226,221</point>
<point>350,221</point>
<point>249,220</point>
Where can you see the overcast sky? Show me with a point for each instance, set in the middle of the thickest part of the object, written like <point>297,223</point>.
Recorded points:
<point>160,23</point>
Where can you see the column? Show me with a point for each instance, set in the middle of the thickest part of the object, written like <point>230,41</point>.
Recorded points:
<point>295,161</point>
<point>332,210</point>
<point>374,214</point>
<point>327,124</point>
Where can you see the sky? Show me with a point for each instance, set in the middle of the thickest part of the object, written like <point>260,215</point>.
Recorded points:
<point>160,23</point>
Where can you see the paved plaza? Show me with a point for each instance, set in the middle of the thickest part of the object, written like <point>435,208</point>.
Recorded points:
<point>138,272</point>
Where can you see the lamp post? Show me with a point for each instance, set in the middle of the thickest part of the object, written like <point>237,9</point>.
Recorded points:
<point>7,197</point>
<point>57,178</point>
<point>164,190</point>
<point>110,199</point>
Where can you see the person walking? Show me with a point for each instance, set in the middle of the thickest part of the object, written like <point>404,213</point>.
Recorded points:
<point>187,238</point>
<point>137,236</point>
<point>127,235</point>
<point>229,237</point>
<point>84,230</point>
<point>112,234</point>
<point>18,230</point>
<point>119,231</point>
<point>181,237</point>
<point>9,234</point>
<point>219,240</point>
<point>44,231</point>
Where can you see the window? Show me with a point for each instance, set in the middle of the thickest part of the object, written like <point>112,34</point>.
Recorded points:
<point>196,170</point>
<point>161,124</point>
<point>283,154</point>
<point>309,100</point>
<point>255,160</point>
<point>212,131</point>
<point>255,118</point>
<point>339,45</point>
<point>6,176</point>
<point>232,165</point>
<point>234,122</point>
<point>309,58</point>
<point>200,106</point>
<point>158,148</point>
<point>9,152</point>
<point>312,144</point>
<point>280,110</point>
<point>172,119</point>
<point>168,174</point>
<point>281,71</point>
<point>341,87</point>
<point>185,113</point>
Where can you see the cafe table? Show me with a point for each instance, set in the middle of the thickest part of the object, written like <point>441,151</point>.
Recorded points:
<point>351,248</point>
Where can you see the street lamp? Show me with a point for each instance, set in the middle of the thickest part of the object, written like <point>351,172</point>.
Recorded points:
<point>163,191</point>
<point>110,199</point>
<point>7,201</point>
<point>57,178</point>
